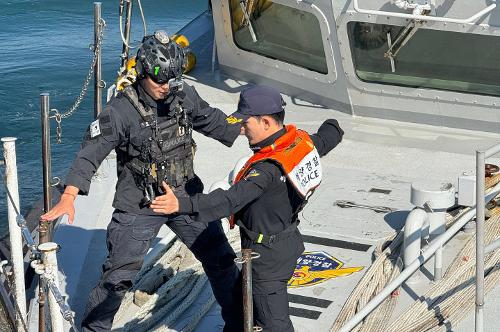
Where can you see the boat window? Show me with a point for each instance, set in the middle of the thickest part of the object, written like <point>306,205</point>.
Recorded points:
<point>434,59</point>
<point>281,32</point>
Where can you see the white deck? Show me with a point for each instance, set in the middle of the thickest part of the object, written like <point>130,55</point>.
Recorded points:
<point>374,154</point>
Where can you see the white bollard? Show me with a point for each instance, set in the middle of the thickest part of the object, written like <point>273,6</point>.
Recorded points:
<point>49,259</point>
<point>16,240</point>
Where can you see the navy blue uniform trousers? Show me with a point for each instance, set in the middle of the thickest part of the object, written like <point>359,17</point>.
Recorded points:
<point>128,239</point>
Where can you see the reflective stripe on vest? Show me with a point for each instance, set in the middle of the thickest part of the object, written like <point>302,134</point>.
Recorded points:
<point>295,153</point>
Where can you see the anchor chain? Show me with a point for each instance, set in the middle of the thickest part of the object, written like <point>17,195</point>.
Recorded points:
<point>59,116</point>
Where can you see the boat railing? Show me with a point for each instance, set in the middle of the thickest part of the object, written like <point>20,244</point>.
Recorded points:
<point>43,257</point>
<point>470,20</point>
<point>476,211</point>
<point>480,248</point>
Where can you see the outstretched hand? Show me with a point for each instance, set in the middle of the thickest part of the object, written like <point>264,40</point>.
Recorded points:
<point>64,206</point>
<point>166,204</point>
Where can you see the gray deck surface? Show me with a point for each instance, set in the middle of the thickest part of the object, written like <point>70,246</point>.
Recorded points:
<point>374,154</point>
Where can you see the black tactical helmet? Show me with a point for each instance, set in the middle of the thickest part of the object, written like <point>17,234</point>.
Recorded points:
<point>160,58</point>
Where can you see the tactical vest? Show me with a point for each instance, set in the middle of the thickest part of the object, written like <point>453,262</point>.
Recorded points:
<point>295,153</point>
<point>168,153</point>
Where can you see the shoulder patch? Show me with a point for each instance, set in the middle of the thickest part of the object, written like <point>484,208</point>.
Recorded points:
<point>95,129</point>
<point>233,120</point>
<point>252,173</point>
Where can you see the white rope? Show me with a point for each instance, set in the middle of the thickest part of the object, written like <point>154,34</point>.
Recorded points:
<point>373,281</point>
<point>164,301</point>
<point>452,298</point>
<point>163,257</point>
<point>150,274</point>
<point>178,284</point>
<point>196,318</point>
<point>143,27</point>
<point>169,320</point>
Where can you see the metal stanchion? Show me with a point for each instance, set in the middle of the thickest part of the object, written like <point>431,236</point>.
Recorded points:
<point>98,83</point>
<point>480,157</point>
<point>128,21</point>
<point>49,259</point>
<point>44,228</point>
<point>246,260</point>
<point>247,290</point>
<point>9,151</point>
<point>46,163</point>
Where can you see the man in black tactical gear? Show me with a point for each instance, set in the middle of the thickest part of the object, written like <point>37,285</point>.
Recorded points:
<point>149,125</point>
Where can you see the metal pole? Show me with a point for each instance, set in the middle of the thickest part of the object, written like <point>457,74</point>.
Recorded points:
<point>492,246</point>
<point>9,153</point>
<point>44,227</point>
<point>247,290</point>
<point>49,259</point>
<point>128,21</point>
<point>409,270</point>
<point>479,240</point>
<point>214,54</point>
<point>493,150</point>
<point>437,226</point>
<point>98,85</point>
<point>46,155</point>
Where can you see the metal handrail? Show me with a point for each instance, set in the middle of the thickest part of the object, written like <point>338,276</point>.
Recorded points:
<point>47,269</point>
<point>424,257</point>
<point>469,20</point>
<point>11,186</point>
<point>480,248</point>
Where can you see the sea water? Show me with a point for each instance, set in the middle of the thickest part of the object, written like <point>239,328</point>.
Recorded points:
<point>44,47</point>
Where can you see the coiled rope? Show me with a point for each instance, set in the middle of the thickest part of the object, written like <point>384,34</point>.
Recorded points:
<point>388,263</point>
<point>450,300</point>
<point>175,279</point>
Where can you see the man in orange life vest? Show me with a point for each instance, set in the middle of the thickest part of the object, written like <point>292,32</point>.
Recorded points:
<point>266,197</point>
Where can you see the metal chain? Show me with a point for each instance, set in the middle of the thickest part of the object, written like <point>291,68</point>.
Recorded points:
<point>59,116</point>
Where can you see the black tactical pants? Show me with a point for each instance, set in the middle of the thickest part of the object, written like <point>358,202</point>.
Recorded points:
<point>270,305</point>
<point>271,273</point>
<point>128,239</point>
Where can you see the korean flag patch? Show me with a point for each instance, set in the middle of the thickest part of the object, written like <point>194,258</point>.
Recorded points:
<point>95,129</point>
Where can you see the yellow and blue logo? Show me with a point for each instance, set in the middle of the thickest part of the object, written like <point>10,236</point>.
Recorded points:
<point>233,120</point>
<point>315,267</point>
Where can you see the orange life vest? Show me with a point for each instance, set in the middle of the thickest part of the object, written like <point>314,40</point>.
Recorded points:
<point>295,153</point>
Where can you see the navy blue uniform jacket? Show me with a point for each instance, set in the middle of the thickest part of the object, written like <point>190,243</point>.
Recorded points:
<point>265,203</point>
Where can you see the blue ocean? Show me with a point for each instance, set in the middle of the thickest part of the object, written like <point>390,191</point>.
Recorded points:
<point>44,47</point>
